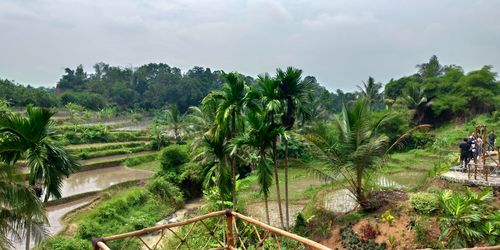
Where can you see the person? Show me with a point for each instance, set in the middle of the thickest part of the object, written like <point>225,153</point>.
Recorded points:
<point>479,147</point>
<point>464,153</point>
<point>491,140</point>
<point>472,149</point>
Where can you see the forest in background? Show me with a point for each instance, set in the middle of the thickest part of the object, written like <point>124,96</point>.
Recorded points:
<point>438,93</point>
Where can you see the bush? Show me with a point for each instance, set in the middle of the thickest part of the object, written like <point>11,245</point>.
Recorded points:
<point>423,202</point>
<point>468,218</point>
<point>65,243</point>
<point>351,240</point>
<point>172,157</point>
<point>420,140</point>
<point>165,190</point>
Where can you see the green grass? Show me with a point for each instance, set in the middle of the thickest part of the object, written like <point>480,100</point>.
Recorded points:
<point>104,146</point>
<point>115,157</point>
<point>153,166</point>
<point>303,183</point>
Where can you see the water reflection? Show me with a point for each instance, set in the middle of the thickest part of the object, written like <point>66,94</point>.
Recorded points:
<point>99,179</point>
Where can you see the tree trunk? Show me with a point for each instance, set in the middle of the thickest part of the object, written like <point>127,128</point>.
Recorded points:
<point>28,235</point>
<point>267,211</point>
<point>233,164</point>
<point>278,194</point>
<point>286,186</point>
<point>233,177</point>
<point>359,189</point>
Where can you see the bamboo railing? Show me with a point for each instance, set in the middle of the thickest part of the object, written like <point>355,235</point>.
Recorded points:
<point>238,229</point>
<point>472,168</point>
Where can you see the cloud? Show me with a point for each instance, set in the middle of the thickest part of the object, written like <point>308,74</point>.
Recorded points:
<point>341,42</point>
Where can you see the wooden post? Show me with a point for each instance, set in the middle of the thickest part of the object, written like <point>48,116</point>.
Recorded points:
<point>229,224</point>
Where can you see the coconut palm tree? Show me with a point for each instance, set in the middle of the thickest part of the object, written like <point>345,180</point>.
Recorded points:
<point>21,209</point>
<point>173,120</point>
<point>260,135</point>
<point>415,100</point>
<point>229,122</point>
<point>352,148</point>
<point>33,137</point>
<point>370,90</point>
<point>293,94</point>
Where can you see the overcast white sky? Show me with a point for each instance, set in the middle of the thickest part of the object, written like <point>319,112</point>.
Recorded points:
<point>339,42</point>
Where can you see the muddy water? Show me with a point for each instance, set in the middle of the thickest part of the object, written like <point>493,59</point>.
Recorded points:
<point>83,182</point>
<point>340,201</point>
<point>55,215</point>
<point>99,179</point>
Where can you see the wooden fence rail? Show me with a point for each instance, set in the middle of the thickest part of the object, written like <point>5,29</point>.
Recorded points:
<point>236,227</point>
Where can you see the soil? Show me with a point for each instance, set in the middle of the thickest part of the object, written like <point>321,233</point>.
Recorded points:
<point>396,201</point>
<point>258,211</point>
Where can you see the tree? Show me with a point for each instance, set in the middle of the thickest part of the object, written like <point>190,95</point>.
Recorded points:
<point>260,136</point>
<point>33,138</point>
<point>293,92</point>
<point>266,94</point>
<point>231,102</point>
<point>173,121</point>
<point>21,209</point>
<point>431,68</point>
<point>370,90</point>
<point>352,148</point>
<point>415,100</point>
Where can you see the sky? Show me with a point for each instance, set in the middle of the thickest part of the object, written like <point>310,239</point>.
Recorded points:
<point>340,42</point>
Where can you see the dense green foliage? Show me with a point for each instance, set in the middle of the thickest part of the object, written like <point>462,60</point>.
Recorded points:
<point>468,217</point>
<point>126,211</point>
<point>424,203</point>
<point>440,93</point>
<point>65,243</point>
<point>18,95</point>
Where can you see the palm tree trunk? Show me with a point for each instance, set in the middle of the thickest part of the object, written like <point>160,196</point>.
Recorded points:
<point>286,186</point>
<point>276,177</point>
<point>28,234</point>
<point>267,210</point>
<point>359,188</point>
<point>233,178</point>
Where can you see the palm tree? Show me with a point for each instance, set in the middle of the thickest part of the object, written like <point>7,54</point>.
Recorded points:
<point>260,136</point>
<point>212,146</point>
<point>173,120</point>
<point>292,93</point>
<point>370,90</point>
<point>352,148</point>
<point>266,92</point>
<point>33,138</point>
<point>414,99</point>
<point>21,209</point>
<point>231,102</point>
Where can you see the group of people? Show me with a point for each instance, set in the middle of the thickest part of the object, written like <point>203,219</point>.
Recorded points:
<point>472,148</point>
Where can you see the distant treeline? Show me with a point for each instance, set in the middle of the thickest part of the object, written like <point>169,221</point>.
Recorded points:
<point>150,86</point>
<point>435,92</point>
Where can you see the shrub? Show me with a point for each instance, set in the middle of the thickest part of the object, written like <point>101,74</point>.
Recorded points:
<point>65,243</point>
<point>464,217</point>
<point>351,240</point>
<point>172,157</point>
<point>423,202</point>
<point>368,232</point>
<point>388,217</point>
<point>165,190</point>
